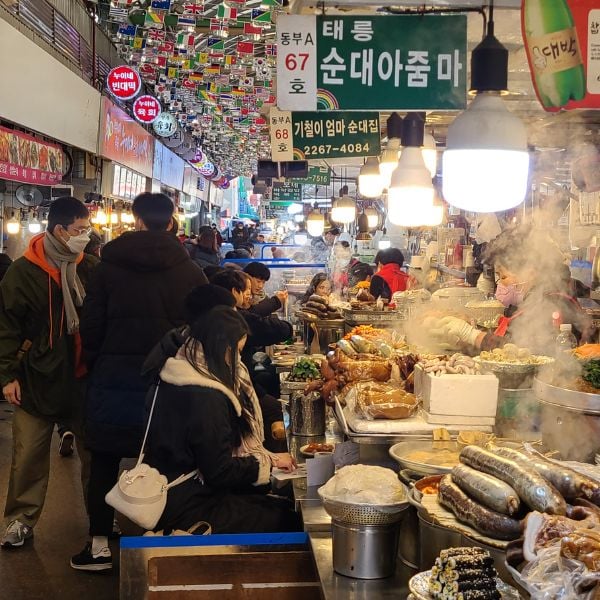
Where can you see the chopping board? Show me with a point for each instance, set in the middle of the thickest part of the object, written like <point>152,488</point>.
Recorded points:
<point>442,516</point>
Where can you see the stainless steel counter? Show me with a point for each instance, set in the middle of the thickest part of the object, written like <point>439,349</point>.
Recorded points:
<point>338,587</point>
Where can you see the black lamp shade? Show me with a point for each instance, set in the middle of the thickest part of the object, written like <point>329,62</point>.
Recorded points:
<point>489,66</point>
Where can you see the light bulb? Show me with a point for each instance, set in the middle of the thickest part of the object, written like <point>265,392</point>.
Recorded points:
<point>315,223</point>
<point>101,217</point>
<point>114,218</point>
<point>389,161</point>
<point>344,210</point>
<point>34,226</point>
<point>370,180</point>
<point>13,226</point>
<point>411,192</point>
<point>486,164</point>
<point>372,217</point>
<point>429,152</point>
<point>299,218</point>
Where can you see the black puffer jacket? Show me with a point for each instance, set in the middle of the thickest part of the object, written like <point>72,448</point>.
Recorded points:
<point>135,297</point>
<point>203,257</point>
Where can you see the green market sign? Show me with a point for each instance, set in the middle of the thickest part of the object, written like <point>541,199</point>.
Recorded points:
<point>316,135</point>
<point>316,176</point>
<point>285,194</point>
<point>400,62</point>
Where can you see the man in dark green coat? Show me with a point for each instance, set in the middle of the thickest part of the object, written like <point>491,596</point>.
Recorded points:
<point>41,371</point>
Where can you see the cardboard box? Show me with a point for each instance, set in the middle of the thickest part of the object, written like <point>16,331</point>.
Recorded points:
<point>457,395</point>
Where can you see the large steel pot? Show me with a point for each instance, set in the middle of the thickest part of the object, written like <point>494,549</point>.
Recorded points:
<point>570,421</point>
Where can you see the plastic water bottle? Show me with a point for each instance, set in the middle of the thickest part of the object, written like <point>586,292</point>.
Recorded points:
<point>565,340</point>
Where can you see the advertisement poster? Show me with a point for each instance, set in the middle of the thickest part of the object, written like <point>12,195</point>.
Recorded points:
<point>124,141</point>
<point>562,40</point>
<point>26,159</point>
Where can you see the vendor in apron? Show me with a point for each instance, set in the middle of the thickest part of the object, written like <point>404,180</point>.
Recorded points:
<point>531,285</point>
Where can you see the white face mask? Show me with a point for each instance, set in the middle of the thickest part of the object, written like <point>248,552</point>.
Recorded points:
<point>76,243</point>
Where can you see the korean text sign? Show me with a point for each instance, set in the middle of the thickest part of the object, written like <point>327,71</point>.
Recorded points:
<point>26,159</point>
<point>124,141</point>
<point>316,176</point>
<point>372,62</point>
<point>287,192</point>
<point>335,134</point>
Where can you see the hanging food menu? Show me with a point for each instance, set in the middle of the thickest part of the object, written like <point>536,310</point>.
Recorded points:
<point>25,159</point>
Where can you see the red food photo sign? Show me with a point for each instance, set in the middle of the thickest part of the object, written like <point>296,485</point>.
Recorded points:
<point>124,82</point>
<point>146,109</point>
<point>25,159</point>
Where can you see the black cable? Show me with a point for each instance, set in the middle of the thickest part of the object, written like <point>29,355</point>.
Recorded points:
<point>439,11</point>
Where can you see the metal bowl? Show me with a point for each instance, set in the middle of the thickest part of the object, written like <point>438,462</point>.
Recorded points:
<point>402,453</point>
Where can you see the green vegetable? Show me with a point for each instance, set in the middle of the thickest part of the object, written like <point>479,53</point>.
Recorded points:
<point>591,373</point>
<point>305,369</point>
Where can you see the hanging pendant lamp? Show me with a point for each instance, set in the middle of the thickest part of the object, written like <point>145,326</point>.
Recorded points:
<point>486,162</point>
<point>370,180</point>
<point>410,196</point>
<point>388,160</point>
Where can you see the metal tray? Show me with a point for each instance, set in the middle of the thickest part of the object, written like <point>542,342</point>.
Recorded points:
<point>371,316</point>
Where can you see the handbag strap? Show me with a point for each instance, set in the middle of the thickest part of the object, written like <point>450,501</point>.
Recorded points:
<point>141,456</point>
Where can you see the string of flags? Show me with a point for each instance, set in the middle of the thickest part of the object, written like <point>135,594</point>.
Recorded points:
<point>211,63</point>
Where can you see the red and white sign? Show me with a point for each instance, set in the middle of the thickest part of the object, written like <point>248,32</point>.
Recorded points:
<point>146,109</point>
<point>26,159</point>
<point>124,82</point>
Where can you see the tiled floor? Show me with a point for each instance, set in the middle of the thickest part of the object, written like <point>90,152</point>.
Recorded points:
<point>41,570</point>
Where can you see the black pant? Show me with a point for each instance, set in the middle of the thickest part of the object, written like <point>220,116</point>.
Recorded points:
<point>104,471</point>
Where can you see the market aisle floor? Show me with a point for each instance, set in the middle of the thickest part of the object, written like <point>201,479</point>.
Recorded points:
<point>41,570</point>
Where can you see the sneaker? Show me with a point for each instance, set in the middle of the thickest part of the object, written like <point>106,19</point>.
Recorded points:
<point>65,447</point>
<point>16,534</point>
<point>86,561</point>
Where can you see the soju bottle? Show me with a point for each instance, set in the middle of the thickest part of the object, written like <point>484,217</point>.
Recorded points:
<point>554,51</point>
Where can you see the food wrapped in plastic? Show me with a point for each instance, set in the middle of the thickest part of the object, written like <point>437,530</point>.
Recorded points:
<point>365,370</point>
<point>384,401</point>
<point>552,576</point>
<point>364,484</point>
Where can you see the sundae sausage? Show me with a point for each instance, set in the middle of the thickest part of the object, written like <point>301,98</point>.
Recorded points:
<point>568,482</point>
<point>532,488</point>
<point>468,511</point>
<point>488,490</point>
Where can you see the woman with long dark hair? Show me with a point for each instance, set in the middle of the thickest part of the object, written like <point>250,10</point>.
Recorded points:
<point>320,285</point>
<point>204,250</point>
<point>207,417</point>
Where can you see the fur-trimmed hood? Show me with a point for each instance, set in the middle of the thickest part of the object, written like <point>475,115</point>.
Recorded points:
<point>177,371</point>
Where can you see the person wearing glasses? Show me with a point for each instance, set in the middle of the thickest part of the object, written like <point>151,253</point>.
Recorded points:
<point>41,371</point>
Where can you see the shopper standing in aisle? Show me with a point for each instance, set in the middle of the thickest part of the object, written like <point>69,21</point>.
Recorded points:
<point>389,278</point>
<point>136,296</point>
<point>41,371</point>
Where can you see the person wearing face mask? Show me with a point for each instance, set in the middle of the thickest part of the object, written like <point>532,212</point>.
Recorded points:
<point>41,368</point>
<point>531,285</point>
<point>135,297</point>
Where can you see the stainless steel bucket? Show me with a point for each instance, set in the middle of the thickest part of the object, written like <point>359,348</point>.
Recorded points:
<point>409,543</point>
<point>307,414</point>
<point>328,331</point>
<point>434,539</point>
<point>364,551</point>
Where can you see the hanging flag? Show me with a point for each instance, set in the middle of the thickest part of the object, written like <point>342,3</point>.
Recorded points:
<point>172,72</point>
<point>138,43</point>
<point>156,34</point>
<point>261,16</point>
<point>219,27</point>
<point>118,15</point>
<point>167,47</point>
<point>202,58</point>
<point>161,4</point>
<point>196,77</point>
<point>154,19</point>
<point>161,61</point>
<point>226,12</point>
<point>193,8</point>
<point>212,70</point>
<point>186,39</point>
<point>250,29</point>
<point>245,48</point>
<point>127,30</point>
<point>215,44</point>
<point>230,59</point>
<point>186,21</point>
<point>238,71</point>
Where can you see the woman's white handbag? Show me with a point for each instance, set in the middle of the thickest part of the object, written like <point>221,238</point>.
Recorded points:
<point>140,494</point>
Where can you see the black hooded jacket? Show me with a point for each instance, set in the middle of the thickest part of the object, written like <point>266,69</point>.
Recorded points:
<point>136,296</point>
